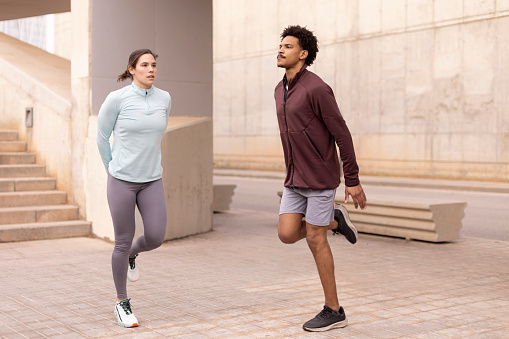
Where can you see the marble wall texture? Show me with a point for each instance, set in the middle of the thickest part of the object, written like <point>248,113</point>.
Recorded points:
<point>422,84</point>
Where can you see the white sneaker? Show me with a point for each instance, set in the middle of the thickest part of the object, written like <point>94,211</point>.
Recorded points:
<point>124,314</point>
<point>133,273</point>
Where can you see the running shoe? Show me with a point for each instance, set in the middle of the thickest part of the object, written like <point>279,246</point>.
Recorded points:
<point>124,314</point>
<point>345,226</point>
<point>133,273</point>
<point>326,320</point>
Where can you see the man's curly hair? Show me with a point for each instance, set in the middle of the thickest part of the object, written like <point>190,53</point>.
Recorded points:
<point>307,40</point>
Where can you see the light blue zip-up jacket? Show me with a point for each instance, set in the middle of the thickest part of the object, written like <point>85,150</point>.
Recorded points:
<point>137,118</point>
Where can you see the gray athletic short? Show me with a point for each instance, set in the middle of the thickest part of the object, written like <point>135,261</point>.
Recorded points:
<point>316,205</point>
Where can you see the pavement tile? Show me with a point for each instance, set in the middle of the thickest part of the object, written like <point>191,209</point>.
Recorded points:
<point>239,281</point>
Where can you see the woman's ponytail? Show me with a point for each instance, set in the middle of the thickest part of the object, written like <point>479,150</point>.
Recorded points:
<point>125,76</point>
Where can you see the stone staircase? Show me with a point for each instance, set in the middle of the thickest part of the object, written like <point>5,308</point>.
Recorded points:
<point>30,206</point>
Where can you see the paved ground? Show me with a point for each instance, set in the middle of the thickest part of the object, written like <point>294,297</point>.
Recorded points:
<point>239,281</point>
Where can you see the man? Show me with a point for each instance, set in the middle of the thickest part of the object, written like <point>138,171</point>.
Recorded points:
<point>311,125</point>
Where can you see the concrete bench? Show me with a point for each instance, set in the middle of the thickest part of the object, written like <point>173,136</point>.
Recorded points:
<point>407,217</point>
<point>222,197</point>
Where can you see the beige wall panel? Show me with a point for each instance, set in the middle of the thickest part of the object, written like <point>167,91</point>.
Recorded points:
<point>346,80</point>
<point>369,16</point>
<point>448,147</point>
<point>367,103</point>
<point>346,18</point>
<point>393,15</point>
<point>392,119</point>
<point>238,98</point>
<point>223,31</point>
<point>224,145</point>
<point>419,81</point>
<point>476,7</point>
<point>271,76</point>
<point>479,147</point>
<point>326,68</point>
<point>447,56</point>
<point>394,147</point>
<point>261,146</point>
<point>63,35</point>
<point>478,77</point>
<point>268,28</point>
<point>448,10</point>
<point>253,94</point>
<point>222,103</point>
<point>502,5</point>
<point>325,27</point>
<point>501,88</point>
<point>419,12</point>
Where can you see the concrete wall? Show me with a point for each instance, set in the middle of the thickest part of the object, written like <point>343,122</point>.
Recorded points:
<point>179,32</point>
<point>422,84</point>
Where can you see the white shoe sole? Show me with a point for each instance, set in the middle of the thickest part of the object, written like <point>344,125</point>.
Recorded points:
<point>339,324</point>
<point>346,216</point>
<point>122,324</point>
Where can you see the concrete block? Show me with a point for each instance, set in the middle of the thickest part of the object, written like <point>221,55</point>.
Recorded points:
<point>502,5</point>
<point>20,171</point>
<point>43,231</point>
<point>428,220</point>
<point>35,184</point>
<point>8,135</point>
<point>370,16</point>
<point>13,146</point>
<point>223,196</point>
<point>393,15</point>
<point>16,158</point>
<point>448,10</point>
<point>16,215</point>
<point>187,176</point>
<point>18,199</point>
<point>419,12</point>
<point>478,7</point>
<point>6,185</point>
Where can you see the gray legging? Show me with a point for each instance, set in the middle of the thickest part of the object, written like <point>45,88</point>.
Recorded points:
<point>122,198</point>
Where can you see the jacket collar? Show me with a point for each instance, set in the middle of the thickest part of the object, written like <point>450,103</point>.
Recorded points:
<point>142,91</point>
<point>296,77</point>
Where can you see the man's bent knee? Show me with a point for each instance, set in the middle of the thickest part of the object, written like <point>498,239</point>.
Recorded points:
<point>286,237</point>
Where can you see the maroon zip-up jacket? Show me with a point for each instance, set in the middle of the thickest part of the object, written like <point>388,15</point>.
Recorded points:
<point>310,125</point>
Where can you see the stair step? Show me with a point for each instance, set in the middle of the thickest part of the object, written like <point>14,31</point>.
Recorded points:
<point>27,184</point>
<point>8,135</point>
<point>17,158</point>
<point>13,146</point>
<point>44,230</point>
<point>32,198</point>
<point>15,171</point>
<point>31,214</point>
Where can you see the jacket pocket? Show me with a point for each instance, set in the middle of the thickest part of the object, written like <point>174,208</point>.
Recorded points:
<point>313,146</point>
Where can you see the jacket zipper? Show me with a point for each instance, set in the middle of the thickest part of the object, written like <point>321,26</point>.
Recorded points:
<point>287,131</point>
<point>146,101</point>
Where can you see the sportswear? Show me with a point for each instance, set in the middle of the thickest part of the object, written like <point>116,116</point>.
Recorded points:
<point>137,118</point>
<point>310,125</point>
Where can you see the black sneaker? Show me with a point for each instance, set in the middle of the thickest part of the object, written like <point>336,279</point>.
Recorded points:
<point>326,320</point>
<point>345,226</point>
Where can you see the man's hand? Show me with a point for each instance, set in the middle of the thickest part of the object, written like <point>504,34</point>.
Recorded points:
<point>358,196</point>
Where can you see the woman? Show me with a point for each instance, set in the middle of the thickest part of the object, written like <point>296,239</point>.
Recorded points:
<point>137,115</point>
